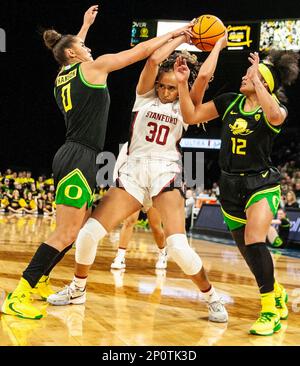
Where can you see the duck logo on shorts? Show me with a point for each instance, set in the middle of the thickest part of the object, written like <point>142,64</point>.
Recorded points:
<point>240,127</point>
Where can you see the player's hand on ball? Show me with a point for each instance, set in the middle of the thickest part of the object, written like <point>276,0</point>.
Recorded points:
<point>90,15</point>
<point>182,30</point>
<point>181,70</point>
<point>188,36</point>
<point>223,41</point>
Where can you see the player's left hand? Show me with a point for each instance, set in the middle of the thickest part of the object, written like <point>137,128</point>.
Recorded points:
<point>90,15</point>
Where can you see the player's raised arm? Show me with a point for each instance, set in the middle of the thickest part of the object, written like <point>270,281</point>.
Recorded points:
<point>149,73</point>
<point>191,114</point>
<point>88,20</point>
<point>206,71</point>
<point>274,113</point>
<point>111,62</point>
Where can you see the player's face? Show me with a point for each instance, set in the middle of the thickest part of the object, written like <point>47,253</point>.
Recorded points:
<point>82,51</point>
<point>246,86</point>
<point>166,87</point>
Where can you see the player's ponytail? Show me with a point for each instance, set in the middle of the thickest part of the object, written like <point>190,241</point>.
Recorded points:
<point>57,43</point>
<point>285,69</point>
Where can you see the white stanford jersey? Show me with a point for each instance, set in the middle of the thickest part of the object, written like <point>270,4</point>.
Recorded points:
<point>156,129</point>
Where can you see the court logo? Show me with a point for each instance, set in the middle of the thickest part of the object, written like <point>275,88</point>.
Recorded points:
<point>2,40</point>
<point>240,127</point>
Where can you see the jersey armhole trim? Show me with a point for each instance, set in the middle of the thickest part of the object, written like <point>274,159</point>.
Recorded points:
<point>86,83</point>
<point>230,106</point>
<point>273,128</point>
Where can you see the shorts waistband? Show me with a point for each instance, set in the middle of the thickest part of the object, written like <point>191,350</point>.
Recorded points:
<point>245,174</point>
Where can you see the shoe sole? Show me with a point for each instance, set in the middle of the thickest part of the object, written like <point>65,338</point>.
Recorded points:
<point>18,315</point>
<point>77,301</point>
<point>117,267</point>
<point>275,330</point>
<point>216,320</point>
<point>161,267</point>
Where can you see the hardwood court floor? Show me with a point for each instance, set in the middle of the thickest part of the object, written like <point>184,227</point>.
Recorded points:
<point>141,306</point>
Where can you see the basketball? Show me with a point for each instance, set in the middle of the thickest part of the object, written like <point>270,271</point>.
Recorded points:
<point>207,30</point>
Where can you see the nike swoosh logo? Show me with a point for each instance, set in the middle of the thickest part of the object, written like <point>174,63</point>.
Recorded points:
<point>75,297</point>
<point>265,174</point>
<point>231,112</point>
<point>12,308</point>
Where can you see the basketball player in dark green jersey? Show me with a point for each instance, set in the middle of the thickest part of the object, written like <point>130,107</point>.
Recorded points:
<point>250,185</point>
<point>82,96</point>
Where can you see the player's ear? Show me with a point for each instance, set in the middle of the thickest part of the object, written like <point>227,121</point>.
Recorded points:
<point>70,53</point>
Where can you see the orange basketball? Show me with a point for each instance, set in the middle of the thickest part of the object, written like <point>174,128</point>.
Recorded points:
<point>207,30</point>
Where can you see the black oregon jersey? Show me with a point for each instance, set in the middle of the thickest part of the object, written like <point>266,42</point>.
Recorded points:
<point>247,137</point>
<point>85,107</point>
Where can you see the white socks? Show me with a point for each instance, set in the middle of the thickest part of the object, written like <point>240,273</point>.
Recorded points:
<point>79,283</point>
<point>162,251</point>
<point>211,295</point>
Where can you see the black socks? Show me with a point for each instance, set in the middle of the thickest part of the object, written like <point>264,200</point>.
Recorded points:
<point>40,262</point>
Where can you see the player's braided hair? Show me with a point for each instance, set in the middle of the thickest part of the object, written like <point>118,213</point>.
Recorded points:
<point>191,60</point>
<point>285,69</point>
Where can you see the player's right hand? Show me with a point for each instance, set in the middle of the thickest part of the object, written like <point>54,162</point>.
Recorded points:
<point>223,40</point>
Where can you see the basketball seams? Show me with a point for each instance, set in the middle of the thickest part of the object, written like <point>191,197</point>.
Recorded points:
<point>205,40</point>
<point>200,28</point>
<point>215,35</point>
<point>209,27</point>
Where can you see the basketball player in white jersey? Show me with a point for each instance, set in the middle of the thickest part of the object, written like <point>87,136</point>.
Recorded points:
<point>152,170</point>
<point>154,221</point>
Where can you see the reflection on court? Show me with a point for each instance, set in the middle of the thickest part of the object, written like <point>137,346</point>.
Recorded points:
<point>141,305</point>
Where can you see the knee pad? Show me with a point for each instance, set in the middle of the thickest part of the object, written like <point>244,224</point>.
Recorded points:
<point>181,252</point>
<point>87,242</point>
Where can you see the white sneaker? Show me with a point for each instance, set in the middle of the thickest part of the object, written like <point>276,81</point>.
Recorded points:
<point>162,261</point>
<point>217,312</point>
<point>118,263</point>
<point>68,295</point>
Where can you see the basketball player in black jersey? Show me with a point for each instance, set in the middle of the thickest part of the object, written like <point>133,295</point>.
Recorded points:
<point>250,184</point>
<point>83,98</point>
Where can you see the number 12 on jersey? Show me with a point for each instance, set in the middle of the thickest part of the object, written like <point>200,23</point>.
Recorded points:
<point>238,145</point>
<point>66,97</point>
